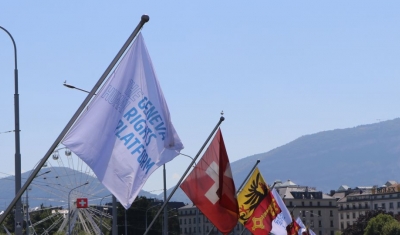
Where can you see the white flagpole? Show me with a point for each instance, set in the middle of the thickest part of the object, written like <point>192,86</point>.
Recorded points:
<point>184,174</point>
<point>144,19</point>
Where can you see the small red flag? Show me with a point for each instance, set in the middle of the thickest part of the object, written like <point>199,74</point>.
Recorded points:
<point>211,188</point>
<point>260,222</point>
<point>293,228</point>
<point>81,203</point>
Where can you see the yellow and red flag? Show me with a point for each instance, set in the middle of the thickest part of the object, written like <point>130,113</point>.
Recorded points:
<point>293,228</point>
<point>260,222</point>
<point>251,195</point>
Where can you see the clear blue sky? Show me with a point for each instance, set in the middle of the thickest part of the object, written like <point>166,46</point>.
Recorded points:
<point>278,69</point>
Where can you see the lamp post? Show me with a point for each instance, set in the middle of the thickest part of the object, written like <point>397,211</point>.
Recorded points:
<point>148,210</point>
<point>165,227</point>
<point>18,214</point>
<point>126,228</point>
<point>69,208</point>
<point>101,218</point>
<point>27,205</point>
<point>74,87</point>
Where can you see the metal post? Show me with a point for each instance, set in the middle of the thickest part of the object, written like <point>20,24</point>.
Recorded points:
<point>27,211</point>
<point>69,207</point>
<point>148,210</point>
<point>114,225</point>
<point>27,205</point>
<point>18,214</point>
<point>185,173</point>
<point>165,227</point>
<point>17,197</point>
<point>101,218</point>
<point>126,228</point>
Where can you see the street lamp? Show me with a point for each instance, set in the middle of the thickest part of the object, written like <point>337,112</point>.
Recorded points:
<point>69,208</point>
<point>27,205</point>
<point>18,214</point>
<point>149,209</point>
<point>74,87</point>
<point>101,218</point>
<point>187,156</point>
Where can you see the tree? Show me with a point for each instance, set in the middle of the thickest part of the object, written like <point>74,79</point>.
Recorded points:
<point>382,224</point>
<point>136,218</point>
<point>358,227</point>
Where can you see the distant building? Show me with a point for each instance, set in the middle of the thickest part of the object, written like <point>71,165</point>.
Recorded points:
<point>317,210</point>
<point>192,221</point>
<point>354,202</point>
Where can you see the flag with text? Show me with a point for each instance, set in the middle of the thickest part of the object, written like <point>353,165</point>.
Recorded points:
<point>126,132</point>
<point>284,218</point>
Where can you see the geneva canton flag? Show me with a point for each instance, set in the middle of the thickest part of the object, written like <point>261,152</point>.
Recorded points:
<point>126,132</point>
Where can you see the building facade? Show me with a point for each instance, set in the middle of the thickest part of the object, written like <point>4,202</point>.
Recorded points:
<point>192,221</point>
<point>355,202</point>
<point>317,210</point>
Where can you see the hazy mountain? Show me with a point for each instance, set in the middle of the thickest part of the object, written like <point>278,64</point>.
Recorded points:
<point>52,186</point>
<point>360,156</point>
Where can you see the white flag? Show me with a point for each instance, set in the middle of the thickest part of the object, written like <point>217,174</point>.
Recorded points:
<point>283,219</point>
<point>300,222</point>
<point>126,132</point>
<point>303,227</point>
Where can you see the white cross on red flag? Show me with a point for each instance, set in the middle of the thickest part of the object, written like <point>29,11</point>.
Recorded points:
<point>211,188</point>
<point>81,203</point>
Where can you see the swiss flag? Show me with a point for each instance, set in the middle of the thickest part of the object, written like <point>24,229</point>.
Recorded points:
<point>81,203</point>
<point>210,186</point>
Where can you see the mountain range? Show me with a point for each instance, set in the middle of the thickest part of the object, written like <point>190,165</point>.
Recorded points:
<point>364,155</point>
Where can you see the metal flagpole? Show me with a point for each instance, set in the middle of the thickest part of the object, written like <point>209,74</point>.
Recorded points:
<point>184,174</point>
<point>247,177</point>
<point>114,216</point>
<point>241,186</point>
<point>143,20</point>
<point>165,227</point>
<point>245,227</point>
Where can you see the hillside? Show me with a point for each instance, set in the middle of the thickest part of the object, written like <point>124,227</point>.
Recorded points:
<point>359,156</point>
<point>54,187</point>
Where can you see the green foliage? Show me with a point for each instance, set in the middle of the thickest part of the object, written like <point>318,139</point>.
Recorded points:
<point>359,226</point>
<point>391,228</point>
<point>136,218</point>
<point>383,224</point>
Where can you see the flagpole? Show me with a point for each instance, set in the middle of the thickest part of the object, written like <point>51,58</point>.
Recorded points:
<point>245,227</point>
<point>241,186</point>
<point>247,177</point>
<point>184,174</point>
<point>144,19</point>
